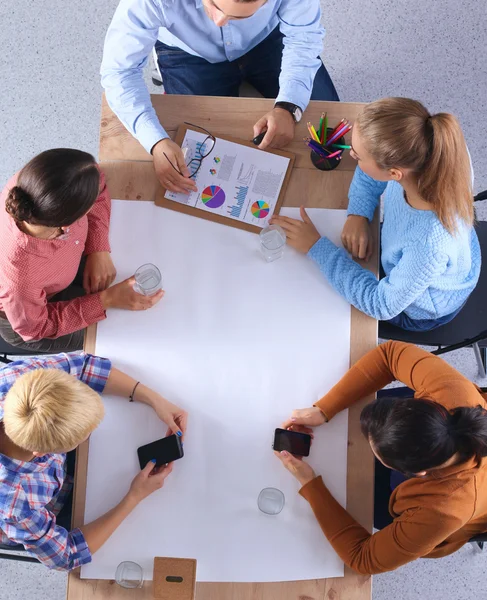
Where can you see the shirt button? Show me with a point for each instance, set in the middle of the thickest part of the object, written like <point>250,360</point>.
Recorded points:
<point>76,242</point>
<point>229,43</point>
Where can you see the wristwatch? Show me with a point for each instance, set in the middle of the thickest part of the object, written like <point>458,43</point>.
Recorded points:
<point>295,111</point>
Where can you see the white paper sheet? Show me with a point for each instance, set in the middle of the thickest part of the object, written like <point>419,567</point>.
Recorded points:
<point>234,181</point>
<point>239,343</point>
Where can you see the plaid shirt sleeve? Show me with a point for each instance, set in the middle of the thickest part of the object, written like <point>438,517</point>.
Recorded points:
<point>52,545</point>
<point>92,370</point>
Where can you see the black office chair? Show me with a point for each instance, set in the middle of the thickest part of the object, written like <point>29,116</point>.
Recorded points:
<point>24,557</point>
<point>8,350</point>
<point>468,328</point>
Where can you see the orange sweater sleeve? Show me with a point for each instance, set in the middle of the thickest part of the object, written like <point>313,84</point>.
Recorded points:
<point>430,376</point>
<point>412,535</point>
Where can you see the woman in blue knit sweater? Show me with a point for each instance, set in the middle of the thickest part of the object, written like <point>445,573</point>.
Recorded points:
<point>429,250</point>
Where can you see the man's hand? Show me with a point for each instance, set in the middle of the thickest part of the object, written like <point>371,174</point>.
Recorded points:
<point>279,124</point>
<point>99,272</point>
<point>167,175</point>
<point>301,235</point>
<point>357,237</point>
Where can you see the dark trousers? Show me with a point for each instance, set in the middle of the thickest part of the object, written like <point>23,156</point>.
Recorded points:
<point>183,73</point>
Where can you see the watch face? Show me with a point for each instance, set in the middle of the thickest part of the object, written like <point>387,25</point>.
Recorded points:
<point>298,113</point>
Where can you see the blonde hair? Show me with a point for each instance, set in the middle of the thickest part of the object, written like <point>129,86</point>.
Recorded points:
<point>48,410</point>
<point>400,132</point>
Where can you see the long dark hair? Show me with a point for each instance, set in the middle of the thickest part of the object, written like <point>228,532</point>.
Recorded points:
<point>55,189</point>
<point>413,435</point>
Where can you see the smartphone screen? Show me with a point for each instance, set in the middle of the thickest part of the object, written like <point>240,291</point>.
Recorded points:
<point>292,442</point>
<point>164,451</point>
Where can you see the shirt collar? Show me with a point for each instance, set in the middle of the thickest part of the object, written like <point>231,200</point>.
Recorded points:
<point>39,463</point>
<point>199,3</point>
<point>445,472</point>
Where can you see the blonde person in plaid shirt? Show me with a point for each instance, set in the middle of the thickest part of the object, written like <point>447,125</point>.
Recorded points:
<point>48,406</point>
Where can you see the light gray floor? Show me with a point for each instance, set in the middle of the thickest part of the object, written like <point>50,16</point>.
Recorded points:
<point>433,51</point>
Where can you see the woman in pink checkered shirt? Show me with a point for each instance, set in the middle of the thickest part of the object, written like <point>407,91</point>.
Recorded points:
<point>55,264</point>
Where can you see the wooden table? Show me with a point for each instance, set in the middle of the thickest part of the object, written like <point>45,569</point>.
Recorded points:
<point>130,175</point>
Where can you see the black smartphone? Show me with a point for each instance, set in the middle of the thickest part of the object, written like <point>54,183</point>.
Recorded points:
<point>163,451</point>
<point>293,442</point>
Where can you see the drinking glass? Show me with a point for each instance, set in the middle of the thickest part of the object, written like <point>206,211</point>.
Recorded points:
<point>148,280</point>
<point>272,242</point>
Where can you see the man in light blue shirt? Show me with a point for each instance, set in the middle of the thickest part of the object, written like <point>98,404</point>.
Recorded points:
<point>207,47</point>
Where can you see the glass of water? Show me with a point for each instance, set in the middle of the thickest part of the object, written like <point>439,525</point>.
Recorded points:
<point>148,280</point>
<point>129,575</point>
<point>272,242</point>
<point>271,501</point>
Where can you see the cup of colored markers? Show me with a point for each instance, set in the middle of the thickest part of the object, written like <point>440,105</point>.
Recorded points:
<point>327,144</point>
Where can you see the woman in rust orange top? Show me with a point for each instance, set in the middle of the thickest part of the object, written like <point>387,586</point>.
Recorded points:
<point>438,439</point>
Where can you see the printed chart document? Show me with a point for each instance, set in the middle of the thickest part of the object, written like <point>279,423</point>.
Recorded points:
<point>239,343</point>
<point>234,180</point>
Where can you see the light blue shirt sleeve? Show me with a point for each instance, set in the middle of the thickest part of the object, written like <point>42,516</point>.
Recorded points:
<point>300,23</point>
<point>388,297</point>
<point>364,194</point>
<point>129,41</point>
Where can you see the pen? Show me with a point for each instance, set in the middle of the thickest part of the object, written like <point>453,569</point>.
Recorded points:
<point>258,139</point>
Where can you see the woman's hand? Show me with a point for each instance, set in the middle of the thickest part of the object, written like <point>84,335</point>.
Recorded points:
<point>123,295</point>
<point>150,479</point>
<point>357,238</point>
<point>174,417</point>
<point>297,467</point>
<point>309,417</point>
<point>99,272</point>
<point>301,235</point>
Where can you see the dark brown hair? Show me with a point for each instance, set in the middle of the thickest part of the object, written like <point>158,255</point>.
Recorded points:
<point>55,189</point>
<point>413,435</point>
<point>400,132</point>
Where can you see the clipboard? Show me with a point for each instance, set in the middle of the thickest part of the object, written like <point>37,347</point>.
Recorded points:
<point>217,218</point>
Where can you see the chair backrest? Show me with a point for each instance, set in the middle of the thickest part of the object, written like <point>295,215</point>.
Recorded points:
<point>467,325</point>
<point>24,557</point>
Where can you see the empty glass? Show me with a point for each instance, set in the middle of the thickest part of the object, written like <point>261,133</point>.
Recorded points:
<point>148,280</point>
<point>271,501</point>
<point>272,242</point>
<point>129,575</point>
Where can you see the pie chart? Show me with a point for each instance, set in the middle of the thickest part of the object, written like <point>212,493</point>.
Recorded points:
<point>213,196</point>
<point>260,209</point>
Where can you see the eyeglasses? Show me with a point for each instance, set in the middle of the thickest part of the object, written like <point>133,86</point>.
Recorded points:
<point>203,149</point>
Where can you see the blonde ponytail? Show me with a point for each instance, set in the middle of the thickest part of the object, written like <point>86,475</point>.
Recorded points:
<point>400,132</point>
<point>446,180</point>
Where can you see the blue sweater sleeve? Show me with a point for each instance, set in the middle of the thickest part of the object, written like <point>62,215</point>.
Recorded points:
<point>388,297</point>
<point>364,194</point>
